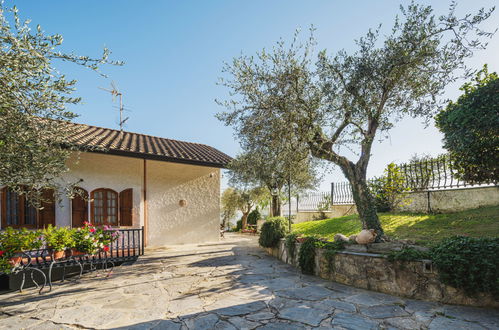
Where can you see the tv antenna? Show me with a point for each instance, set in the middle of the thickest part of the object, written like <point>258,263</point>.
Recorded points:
<point>116,93</point>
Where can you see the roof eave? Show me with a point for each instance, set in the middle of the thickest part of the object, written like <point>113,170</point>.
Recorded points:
<point>158,157</point>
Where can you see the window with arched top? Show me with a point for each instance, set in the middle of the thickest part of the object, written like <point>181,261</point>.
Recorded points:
<point>104,207</point>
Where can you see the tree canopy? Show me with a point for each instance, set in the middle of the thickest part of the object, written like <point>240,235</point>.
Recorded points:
<point>343,102</point>
<point>243,200</point>
<point>33,106</point>
<point>471,129</point>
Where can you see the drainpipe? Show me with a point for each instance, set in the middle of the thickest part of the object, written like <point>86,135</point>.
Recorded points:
<point>144,194</point>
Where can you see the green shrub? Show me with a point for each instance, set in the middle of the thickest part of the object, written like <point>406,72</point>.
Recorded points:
<point>389,190</point>
<point>272,231</point>
<point>239,225</point>
<point>253,217</point>
<point>306,256</point>
<point>469,263</point>
<point>58,238</point>
<point>407,254</point>
<point>291,245</point>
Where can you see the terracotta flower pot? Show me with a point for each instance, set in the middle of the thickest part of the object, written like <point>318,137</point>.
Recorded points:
<point>75,252</point>
<point>14,261</point>
<point>59,254</point>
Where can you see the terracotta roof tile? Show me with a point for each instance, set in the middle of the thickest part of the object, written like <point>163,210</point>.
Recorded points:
<point>145,146</point>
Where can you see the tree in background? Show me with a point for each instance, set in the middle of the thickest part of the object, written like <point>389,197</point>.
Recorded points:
<point>345,101</point>
<point>471,129</point>
<point>33,100</point>
<point>243,200</point>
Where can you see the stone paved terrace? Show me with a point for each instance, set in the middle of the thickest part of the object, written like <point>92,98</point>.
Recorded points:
<point>228,285</point>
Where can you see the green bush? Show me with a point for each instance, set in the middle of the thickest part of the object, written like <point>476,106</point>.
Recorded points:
<point>291,245</point>
<point>469,263</point>
<point>389,190</point>
<point>239,225</point>
<point>407,254</point>
<point>272,231</point>
<point>306,256</point>
<point>58,238</point>
<point>253,217</point>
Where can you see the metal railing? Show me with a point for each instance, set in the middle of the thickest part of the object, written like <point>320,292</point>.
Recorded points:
<point>425,175</point>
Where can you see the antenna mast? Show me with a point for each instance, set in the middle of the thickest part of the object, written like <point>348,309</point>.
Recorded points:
<point>116,93</point>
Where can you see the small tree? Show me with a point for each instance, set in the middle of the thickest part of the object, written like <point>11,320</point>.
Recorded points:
<point>243,200</point>
<point>471,129</point>
<point>33,100</point>
<point>389,190</point>
<point>348,99</point>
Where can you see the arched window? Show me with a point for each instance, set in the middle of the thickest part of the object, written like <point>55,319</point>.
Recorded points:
<point>104,207</point>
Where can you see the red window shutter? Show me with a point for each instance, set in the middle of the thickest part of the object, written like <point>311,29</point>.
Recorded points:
<point>46,215</point>
<point>126,207</point>
<point>79,208</point>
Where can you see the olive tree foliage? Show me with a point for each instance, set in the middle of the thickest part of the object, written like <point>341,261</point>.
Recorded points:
<point>273,154</point>
<point>33,100</point>
<point>243,200</point>
<point>471,129</point>
<point>344,101</point>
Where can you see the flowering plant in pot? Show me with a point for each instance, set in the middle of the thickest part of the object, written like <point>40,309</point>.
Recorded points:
<point>58,239</point>
<point>14,241</point>
<point>85,241</point>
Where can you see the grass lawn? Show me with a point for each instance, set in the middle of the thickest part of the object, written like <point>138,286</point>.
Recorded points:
<point>421,228</point>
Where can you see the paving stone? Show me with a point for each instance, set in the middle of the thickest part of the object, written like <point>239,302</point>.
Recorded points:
<point>383,311</point>
<point>17,322</point>
<point>202,322</point>
<point>282,326</point>
<point>223,325</point>
<point>306,293</point>
<point>329,304</point>
<point>351,321</point>
<point>166,325</point>
<point>442,322</point>
<point>242,323</point>
<point>260,316</point>
<point>304,314</point>
<point>373,299</point>
<point>405,323</point>
<point>242,309</point>
<point>486,317</point>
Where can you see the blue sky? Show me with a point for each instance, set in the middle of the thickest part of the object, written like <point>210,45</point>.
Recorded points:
<point>174,51</point>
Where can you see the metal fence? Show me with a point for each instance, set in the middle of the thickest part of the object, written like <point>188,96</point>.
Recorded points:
<point>425,175</point>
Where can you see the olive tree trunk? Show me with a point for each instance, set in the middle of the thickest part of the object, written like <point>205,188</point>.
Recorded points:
<point>275,208</point>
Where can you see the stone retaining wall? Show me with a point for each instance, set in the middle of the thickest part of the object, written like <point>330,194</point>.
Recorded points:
<point>372,271</point>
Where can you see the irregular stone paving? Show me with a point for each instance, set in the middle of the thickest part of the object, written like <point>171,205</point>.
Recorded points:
<point>232,284</point>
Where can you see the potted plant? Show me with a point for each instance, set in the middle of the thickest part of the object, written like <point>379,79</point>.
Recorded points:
<point>85,241</point>
<point>14,241</point>
<point>58,239</point>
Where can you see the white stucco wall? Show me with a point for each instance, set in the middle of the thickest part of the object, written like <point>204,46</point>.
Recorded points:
<point>104,171</point>
<point>199,220</point>
<point>167,184</point>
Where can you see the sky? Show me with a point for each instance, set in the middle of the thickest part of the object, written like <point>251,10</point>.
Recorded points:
<point>174,53</point>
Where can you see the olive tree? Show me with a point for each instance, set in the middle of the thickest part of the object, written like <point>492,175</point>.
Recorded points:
<point>241,199</point>
<point>345,101</point>
<point>33,106</point>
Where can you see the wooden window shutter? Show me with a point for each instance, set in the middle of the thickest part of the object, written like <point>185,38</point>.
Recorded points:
<point>46,215</point>
<point>3,194</point>
<point>126,207</point>
<point>79,208</point>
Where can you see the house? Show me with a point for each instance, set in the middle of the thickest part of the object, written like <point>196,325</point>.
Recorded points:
<point>170,187</point>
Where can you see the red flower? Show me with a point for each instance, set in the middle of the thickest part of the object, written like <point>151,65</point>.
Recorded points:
<point>106,248</point>
<point>92,230</point>
<point>1,253</point>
